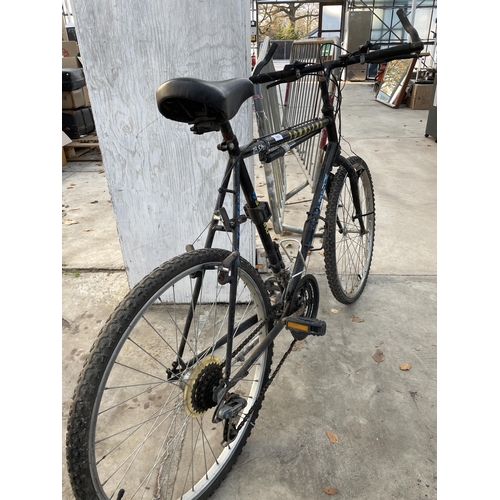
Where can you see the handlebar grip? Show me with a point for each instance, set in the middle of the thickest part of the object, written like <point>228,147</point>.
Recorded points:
<point>272,76</point>
<point>400,51</point>
<point>267,58</point>
<point>408,27</point>
<point>403,50</point>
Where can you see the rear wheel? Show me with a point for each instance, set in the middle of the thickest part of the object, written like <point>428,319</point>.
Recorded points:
<point>141,419</point>
<point>348,250</point>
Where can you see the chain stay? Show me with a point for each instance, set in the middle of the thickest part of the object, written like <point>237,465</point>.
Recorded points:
<point>264,389</point>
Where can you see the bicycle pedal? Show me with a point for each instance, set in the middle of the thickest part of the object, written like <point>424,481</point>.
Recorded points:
<point>300,327</point>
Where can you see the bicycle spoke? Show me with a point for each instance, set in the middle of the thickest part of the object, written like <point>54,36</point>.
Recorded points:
<point>151,433</point>
<point>348,258</point>
<point>136,451</point>
<point>135,426</point>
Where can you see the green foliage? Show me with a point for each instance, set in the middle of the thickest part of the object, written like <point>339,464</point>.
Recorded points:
<point>74,272</point>
<point>287,33</point>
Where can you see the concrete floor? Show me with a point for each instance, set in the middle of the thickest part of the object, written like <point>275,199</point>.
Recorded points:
<point>385,418</point>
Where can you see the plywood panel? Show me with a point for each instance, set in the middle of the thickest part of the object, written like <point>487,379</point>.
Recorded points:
<point>162,179</point>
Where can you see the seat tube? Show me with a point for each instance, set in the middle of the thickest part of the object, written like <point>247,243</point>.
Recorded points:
<point>233,148</point>
<point>231,143</point>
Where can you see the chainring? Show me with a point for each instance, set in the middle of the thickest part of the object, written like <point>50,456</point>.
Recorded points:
<point>305,299</point>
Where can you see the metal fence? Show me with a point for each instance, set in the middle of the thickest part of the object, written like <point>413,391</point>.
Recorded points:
<point>67,11</point>
<point>303,102</point>
<point>267,104</point>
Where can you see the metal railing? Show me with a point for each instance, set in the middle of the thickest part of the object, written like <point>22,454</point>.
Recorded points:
<point>67,11</point>
<point>267,104</point>
<point>303,102</point>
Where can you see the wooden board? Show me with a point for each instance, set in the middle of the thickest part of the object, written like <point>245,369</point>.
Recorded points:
<point>83,149</point>
<point>162,179</point>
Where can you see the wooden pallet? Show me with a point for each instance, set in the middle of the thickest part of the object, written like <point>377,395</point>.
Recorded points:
<point>83,149</point>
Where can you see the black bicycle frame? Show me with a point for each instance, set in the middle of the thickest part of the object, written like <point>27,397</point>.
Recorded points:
<point>268,148</point>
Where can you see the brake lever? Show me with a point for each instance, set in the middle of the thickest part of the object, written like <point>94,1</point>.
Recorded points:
<point>297,65</point>
<point>363,49</point>
<point>279,82</point>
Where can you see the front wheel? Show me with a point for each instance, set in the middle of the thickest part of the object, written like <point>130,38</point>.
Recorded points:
<point>348,249</point>
<point>141,425</point>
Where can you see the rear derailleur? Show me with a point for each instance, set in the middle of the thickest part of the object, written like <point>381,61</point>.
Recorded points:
<point>229,410</point>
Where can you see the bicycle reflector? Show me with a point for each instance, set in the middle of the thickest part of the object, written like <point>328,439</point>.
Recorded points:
<point>301,327</point>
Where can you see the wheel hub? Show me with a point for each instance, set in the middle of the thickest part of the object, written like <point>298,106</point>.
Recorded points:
<point>199,386</point>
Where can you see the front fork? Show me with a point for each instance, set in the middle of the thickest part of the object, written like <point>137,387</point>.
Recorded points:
<point>333,145</point>
<point>354,181</point>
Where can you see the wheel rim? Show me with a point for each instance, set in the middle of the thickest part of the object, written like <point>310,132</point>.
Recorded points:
<point>142,439</point>
<point>353,251</point>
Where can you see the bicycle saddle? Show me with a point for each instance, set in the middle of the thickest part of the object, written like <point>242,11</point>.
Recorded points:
<point>200,103</point>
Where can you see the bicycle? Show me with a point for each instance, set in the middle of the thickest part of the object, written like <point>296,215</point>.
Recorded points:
<point>175,380</point>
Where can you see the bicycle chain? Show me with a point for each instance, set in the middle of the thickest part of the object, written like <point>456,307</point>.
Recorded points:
<point>278,367</point>
<point>276,370</point>
<point>298,312</point>
<point>263,392</point>
<point>248,339</point>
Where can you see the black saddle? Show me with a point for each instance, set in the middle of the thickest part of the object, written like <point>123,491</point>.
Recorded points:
<point>203,104</point>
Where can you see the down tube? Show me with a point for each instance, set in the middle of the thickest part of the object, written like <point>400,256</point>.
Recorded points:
<point>332,151</point>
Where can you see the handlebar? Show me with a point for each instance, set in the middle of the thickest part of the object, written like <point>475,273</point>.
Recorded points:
<point>408,27</point>
<point>296,70</point>
<point>267,58</point>
<point>405,49</point>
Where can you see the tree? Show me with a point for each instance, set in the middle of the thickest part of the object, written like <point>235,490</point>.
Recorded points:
<point>287,20</point>
<point>293,11</point>
<point>287,33</point>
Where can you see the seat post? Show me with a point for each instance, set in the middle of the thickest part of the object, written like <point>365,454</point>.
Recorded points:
<point>230,143</point>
